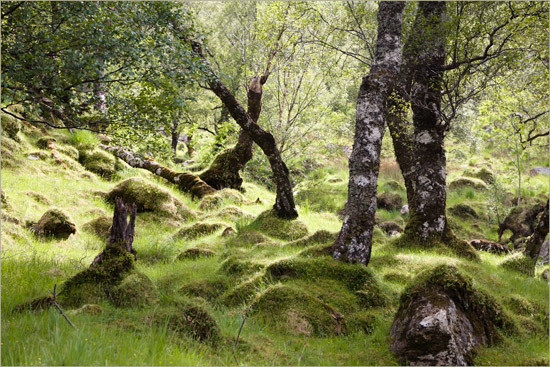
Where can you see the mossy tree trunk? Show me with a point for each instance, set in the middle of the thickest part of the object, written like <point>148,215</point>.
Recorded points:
<point>122,231</point>
<point>428,219</point>
<point>534,243</point>
<point>224,170</point>
<point>354,242</point>
<point>186,182</point>
<point>284,202</point>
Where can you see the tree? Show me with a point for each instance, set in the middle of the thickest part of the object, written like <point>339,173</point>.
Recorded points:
<point>354,242</point>
<point>534,243</point>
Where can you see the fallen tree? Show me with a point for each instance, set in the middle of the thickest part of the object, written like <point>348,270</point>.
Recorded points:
<point>185,181</point>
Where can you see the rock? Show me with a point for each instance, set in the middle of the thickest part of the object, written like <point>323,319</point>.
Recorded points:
<point>463,211</point>
<point>490,246</point>
<point>521,221</point>
<point>545,275</point>
<point>55,223</point>
<point>195,253</point>
<point>228,232</point>
<point>464,182</point>
<point>286,229</point>
<point>149,197</point>
<point>100,226</point>
<point>404,209</point>
<point>389,201</point>
<point>442,319</point>
<point>391,228</point>
<point>543,254</point>
<point>197,230</point>
<point>539,170</point>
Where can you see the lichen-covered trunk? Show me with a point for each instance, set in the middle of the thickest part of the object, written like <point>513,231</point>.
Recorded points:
<point>429,218</point>
<point>354,242</point>
<point>224,170</point>
<point>186,182</point>
<point>532,248</point>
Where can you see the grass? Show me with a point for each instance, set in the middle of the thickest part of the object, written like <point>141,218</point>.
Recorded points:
<point>30,268</point>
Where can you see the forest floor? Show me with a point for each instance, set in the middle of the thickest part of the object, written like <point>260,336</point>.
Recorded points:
<point>303,307</point>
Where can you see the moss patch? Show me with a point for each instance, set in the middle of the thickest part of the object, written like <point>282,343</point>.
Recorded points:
<point>135,290</point>
<point>232,213</point>
<point>42,199</point>
<point>99,162</point>
<point>195,253</point>
<point>149,197</point>
<point>209,289</point>
<point>100,226</point>
<point>521,263</point>
<point>320,236</point>
<point>247,238</point>
<point>464,182</point>
<point>389,201</point>
<point>55,223</point>
<point>216,200</point>
<point>268,223</point>
<point>10,126</point>
<point>464,211</point>
<point>197,230</point>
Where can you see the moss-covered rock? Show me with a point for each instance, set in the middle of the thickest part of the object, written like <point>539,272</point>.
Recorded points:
<point>269,223</point>
<point>243,293</point>
<point>232,213</point>
<point>149,197</point>
<point>220,197</point>
<point>135,290</point>
<point>209,289</point>
<point>196,230</point>
<point>390,227</point>
<point>238,265</point>
<point>464,211</point>
<point>189,319</point>
<point>9,150</point>
<point>442,318</point>
<point>521,221</point>
<point>10,126</point>
<point>195,253</point>
<point>99,162</point>
<point>464,182</point>
<point>320,236</point>
<point>101,226</point>
<point>247,238</point>
<point>297,312</point>
<point>519,262</point>
<point>485,174</point>
<point>55,223</point>
<point>389,201</point>
<point>69,151</point>
<point>545,275</point>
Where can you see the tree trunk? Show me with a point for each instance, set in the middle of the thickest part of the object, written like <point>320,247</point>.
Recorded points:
<point>429,218</point>
<point>186,182</point>
<point>122,232</point>
<point>284,202</point>
<point>224,170</point>
<point>354,242</point>
<point>534,243</point>
<point>174,135</point>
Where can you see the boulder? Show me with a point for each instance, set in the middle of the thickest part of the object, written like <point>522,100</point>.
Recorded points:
<point>490,246</point>
<point>55,223</point>
<point>442,319</point>
<point>389,201</point>
<point>539,170</point>
<point>149,197</point>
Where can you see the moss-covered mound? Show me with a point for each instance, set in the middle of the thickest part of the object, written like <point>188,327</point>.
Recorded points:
<point>209,289</point>
<point>42,199</point>
<point>10,126</point>
<point>195,253</point>
<point>464,211</point>
<point>320,236</point>
<point>243,293</point>
<point>55,223</point>
<point>197,230</point>
<point>220,197</point>
<point>484,174</point>
<point>99,162</point>
<point>135,290</point>
<point>521,263</point>
<point>297,312</point>
<point>9,149</point>
<point>247,238</point>
<point>149,197</point>
<point>191,320</point>
<point>69,151</point>
<point>389,201</point>
<point>101,226</point>
<point>238,265</point>
<point>285,229</point>
<point>390,227</point>
<point>44,141</point>
<point>464,182</point>
<point>232,213</point>
<point>393,186</point>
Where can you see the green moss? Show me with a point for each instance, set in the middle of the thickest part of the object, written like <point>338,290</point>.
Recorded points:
<point>320,236</point>
<point>232,213</point>
<point>100,226</point>
<point>149,197</point>
<point>9,150</point>
<point>216,200</point>
<point>247,238</point>
<point>209,289</point>
<point>69,151</point>
<point>55,223</point>
<point>195,253</point>
<point>197,230</point>
<point>99,162</point>
<point>135,290</point>
<point>397,277</point>
<point>520,263</point>
<point>465,182</point>
<point>238,265</point>
<point>364,321</point>
<point>285,229</point>
<point>43,142</point>
<point>90,309</point>
<point>520,305</point>
<point>389,201</point>
<point>189,319</point>
<point>464,211</point>
<point>393,186</point>
<point>484,174</point>
<point>243,293</point>
<point>10,126</point>
<point>42,199</point>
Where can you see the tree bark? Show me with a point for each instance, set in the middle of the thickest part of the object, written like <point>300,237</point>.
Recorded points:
<point>354,242</point>
<point>122,232</point>
<point>186,182</point>
<point>534,243</point>
<point>284,202</point>
<point>224,170</point>
<point>429,218</point>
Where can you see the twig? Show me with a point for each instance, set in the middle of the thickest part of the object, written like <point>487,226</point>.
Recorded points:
<point>301,354</point>
<point>239,334</point>
<point>59,307</point>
